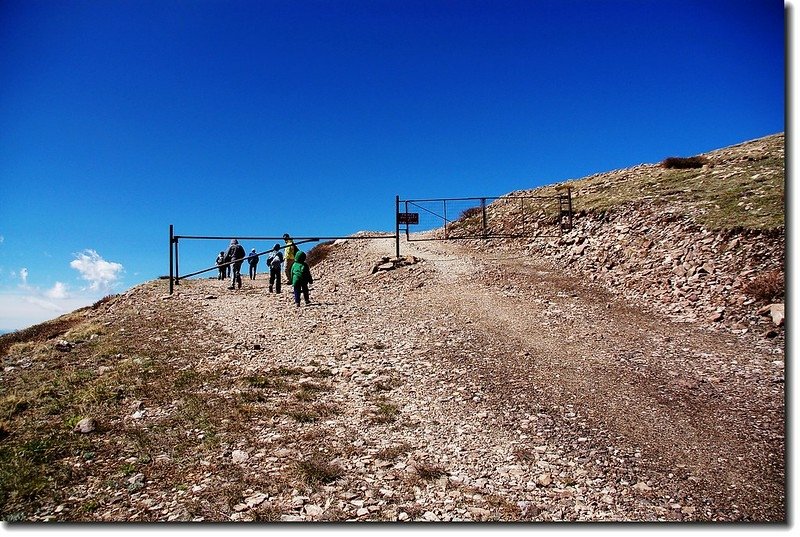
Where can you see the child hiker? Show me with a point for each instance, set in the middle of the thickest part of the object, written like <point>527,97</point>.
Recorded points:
<point>221,266</point>
<point>301,277</point>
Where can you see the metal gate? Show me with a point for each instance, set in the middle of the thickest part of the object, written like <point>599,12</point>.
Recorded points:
<point>485,217</point>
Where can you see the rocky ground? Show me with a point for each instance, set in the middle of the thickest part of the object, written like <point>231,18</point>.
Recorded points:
<point>454,384</point>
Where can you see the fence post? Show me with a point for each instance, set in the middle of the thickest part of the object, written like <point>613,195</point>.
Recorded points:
<point>405,210</point>
<point>171,234</point>
<point>444,214</point>
<point>565,210</point>
<point>397,226</point>
<point>483,211</point>
<point>177,273</point>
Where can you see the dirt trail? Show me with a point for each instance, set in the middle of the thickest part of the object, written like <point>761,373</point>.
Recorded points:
<point>477,386</point>
<point>702,405</point>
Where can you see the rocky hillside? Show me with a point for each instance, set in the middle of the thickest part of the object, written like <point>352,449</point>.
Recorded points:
<point>535,381</point>
<point>704,245</point>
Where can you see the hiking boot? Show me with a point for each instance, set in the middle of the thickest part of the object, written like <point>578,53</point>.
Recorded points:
<point>231,287</point>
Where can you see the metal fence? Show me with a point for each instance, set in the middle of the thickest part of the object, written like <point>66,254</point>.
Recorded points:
<point>436,219</point>
<point>174,258</point>
<point>485,217</point>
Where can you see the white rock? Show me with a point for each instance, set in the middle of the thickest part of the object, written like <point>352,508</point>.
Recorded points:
<point>86,425</point>
<point>255,499</point>
<point>239,456</point>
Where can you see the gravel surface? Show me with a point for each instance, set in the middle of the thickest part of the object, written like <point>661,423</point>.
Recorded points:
<point>462,384</point>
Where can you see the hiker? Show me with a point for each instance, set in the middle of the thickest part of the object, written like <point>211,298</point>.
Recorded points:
<point>236,254</point>
<point>274,261</point>
<point>221,266</point>
<point>301,277</point>
<point>291,251</point>
<point>252,259</point>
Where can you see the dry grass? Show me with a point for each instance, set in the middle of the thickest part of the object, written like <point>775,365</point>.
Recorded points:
<point>683,163</point>
<point>472,212</point>
<point>393,452</point>
<point>318,253</point>
<point>384,412</point>
<point>316,471</point>
<point>39,333</point>
<point>429,472</point>
<point>767,287</point>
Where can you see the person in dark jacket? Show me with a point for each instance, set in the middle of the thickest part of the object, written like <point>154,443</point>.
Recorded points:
<point>301,277</point>
<point>252,260</point>
<point>236,254</point>
<point>274,260</point>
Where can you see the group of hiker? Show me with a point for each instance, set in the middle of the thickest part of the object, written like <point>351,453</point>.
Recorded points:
<point>296,270</point>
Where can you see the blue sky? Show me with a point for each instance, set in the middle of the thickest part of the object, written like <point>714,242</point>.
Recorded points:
<point>255,118</point>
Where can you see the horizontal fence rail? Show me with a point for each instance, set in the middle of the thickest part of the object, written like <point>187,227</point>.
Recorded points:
<point>174,240</point>
<point>434,219</point>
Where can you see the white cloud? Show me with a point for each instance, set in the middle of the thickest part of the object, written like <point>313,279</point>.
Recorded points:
<point>59,291</point>
<point>100,274</point>
<point>18,310</point>
<point>2,239</point>
<point>26,305</point>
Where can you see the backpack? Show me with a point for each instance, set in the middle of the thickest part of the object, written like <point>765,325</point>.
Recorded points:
<point>275,258</point>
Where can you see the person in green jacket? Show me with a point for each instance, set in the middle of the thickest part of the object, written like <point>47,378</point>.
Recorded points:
<point>301,277</point>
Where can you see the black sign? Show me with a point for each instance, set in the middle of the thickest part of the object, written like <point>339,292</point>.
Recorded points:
<point>408,218</point>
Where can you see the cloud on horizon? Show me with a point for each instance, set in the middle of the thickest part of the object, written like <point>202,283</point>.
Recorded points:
<point>27,305</point>
<point>101,274</point>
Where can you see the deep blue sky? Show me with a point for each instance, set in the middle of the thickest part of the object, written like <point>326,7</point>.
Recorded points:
<point>118,118</point>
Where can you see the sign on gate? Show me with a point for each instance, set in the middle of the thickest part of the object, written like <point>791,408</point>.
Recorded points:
<point>408,218</point>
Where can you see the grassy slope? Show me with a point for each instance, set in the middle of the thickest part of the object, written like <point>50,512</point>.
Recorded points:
<point>743,187</point>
